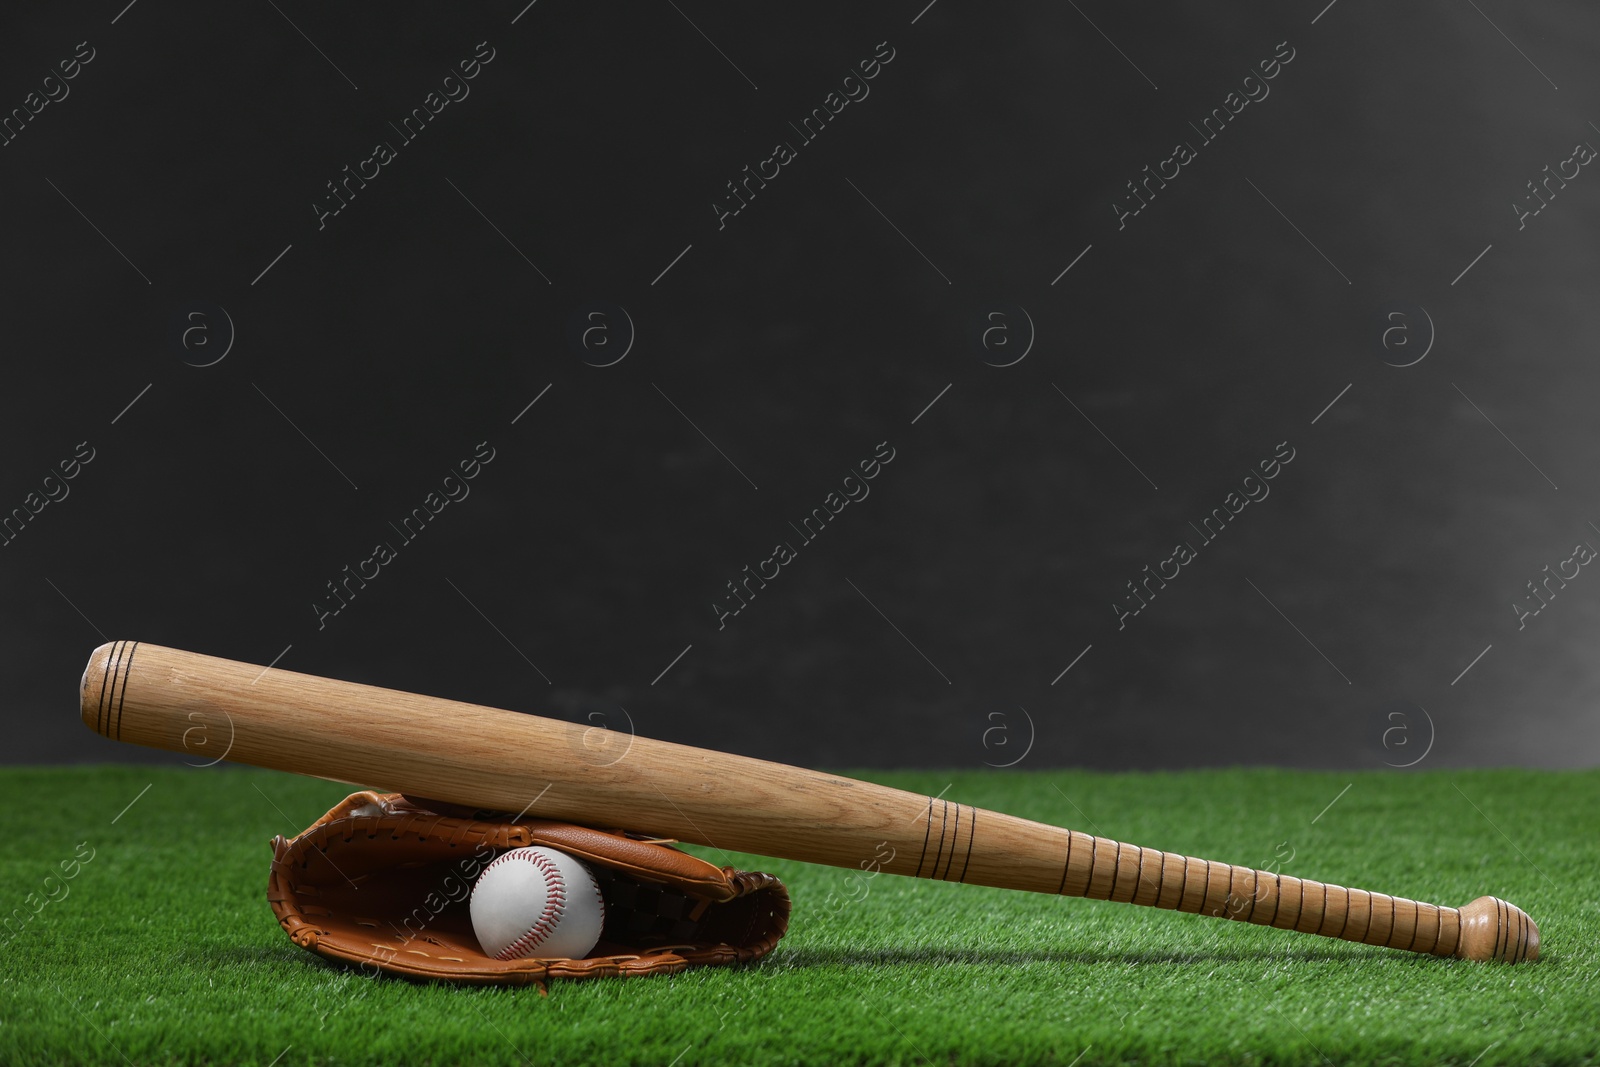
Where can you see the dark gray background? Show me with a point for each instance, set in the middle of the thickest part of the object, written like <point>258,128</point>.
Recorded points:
<point>930,624</point>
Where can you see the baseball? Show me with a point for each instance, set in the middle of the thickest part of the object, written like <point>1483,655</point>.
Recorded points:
<point>537,903</point>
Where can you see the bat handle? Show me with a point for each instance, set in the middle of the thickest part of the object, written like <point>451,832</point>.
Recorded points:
<point>1486,929</point>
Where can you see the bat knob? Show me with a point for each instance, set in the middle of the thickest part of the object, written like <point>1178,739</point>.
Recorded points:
<point>1491,929</point>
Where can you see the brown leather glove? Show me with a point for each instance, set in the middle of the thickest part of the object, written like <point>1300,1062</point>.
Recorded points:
<point>383,880</point>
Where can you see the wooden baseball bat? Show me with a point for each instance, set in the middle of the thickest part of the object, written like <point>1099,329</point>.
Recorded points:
<point>506,761</point>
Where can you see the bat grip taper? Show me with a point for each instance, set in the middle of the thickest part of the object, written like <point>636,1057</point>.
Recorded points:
<point>1486,929</point>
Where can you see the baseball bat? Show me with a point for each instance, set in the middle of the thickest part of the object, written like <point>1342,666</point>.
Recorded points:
<point>505,761</point>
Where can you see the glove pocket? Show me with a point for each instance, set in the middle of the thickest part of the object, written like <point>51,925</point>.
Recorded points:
<point>382,883</point>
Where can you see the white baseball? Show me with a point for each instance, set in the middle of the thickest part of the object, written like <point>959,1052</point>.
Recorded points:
<point>537,903</point>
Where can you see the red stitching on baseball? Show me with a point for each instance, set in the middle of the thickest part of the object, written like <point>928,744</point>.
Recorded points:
<point>554,903</point>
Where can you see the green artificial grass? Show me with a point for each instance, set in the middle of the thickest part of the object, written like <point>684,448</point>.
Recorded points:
<point>162,949</point>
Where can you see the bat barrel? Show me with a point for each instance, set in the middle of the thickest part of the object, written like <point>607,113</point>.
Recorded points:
<point>478,757</point>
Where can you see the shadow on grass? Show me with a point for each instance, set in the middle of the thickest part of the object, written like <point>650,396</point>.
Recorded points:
<point>804,958</point>
<point>920,957</point>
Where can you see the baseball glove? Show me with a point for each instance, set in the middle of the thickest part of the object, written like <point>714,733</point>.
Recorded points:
<point>383,881</point>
